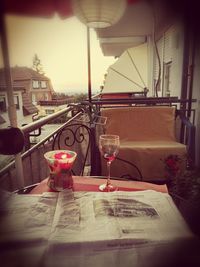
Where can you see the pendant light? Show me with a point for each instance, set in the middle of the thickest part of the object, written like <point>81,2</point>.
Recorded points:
<point>99,13</point>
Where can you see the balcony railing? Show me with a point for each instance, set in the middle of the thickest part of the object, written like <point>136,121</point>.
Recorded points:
<point>56,102</point>
<point>34,165</point>
<point>72,134</point>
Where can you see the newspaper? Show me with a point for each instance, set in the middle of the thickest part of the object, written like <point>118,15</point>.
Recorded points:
<point>92,228</point>
<point>26,217</point>
<point>115,229</point>
<point>89,216</point>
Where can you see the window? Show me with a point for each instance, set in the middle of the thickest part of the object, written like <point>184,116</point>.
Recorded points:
<point>34,99</point>
<point>16,101</point>
<point>49,111</point>
<point>2,103</point>
<point>167,78</point>
<point>158,84</point>
<point>46,96</point>
<point>35,84</point>
<point>43,84</point>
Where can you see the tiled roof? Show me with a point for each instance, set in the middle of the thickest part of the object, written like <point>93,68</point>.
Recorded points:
<point>16,87</point>
<point>28,107</point>
<point>21,73</point>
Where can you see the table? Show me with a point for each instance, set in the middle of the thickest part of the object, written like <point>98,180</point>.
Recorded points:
<point>87,228</point>
<point>88,183</point>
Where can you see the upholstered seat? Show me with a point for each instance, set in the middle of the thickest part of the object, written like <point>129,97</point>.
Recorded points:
<point>147,137</point>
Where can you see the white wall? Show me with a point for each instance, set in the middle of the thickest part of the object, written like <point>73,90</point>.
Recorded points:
<point>21,119</point>
<point>177,43</point>
<point>150,63</point>
<point>170,47</point>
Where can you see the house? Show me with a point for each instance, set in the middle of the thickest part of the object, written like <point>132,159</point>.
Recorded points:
<point>38,86</point>
<point>30,87</point>
<point>49,107</point>
<point>24,108</point>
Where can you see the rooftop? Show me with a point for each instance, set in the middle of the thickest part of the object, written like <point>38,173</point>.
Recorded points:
<point>21,73</point>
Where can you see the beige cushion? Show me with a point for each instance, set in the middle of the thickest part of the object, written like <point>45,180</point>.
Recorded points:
<point>148,157</point>
<point>141,123</point>
<point>147,137</point>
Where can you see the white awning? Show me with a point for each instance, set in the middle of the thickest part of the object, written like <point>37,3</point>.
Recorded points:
<point>129,72</point>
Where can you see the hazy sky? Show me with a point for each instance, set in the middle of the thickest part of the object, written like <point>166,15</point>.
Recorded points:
<point>62,47</point>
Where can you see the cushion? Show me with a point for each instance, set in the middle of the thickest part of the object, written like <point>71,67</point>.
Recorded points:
<point>148,157</point>
<point>141,123</point>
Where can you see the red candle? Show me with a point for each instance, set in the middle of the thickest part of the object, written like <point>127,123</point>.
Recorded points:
<point>62,155</point>
<point>62,160</point>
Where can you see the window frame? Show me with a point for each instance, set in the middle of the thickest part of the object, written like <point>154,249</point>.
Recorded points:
<point>49,111</point>
<point>16,97</point>
<point>41,84</point>
<point>167,78</point>
<point>33,84</point>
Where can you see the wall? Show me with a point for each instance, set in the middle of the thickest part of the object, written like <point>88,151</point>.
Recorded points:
<point>177,60</point>
<point>196,95</point>
<point>20,117</point>
<point>170,48</point>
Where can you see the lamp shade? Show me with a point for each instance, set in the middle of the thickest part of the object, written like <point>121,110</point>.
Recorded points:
<point>99,13</point>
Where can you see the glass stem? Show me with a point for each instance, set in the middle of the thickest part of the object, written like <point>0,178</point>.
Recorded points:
<point>108,178</point>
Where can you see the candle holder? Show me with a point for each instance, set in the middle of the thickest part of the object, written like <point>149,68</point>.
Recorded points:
<point>60,163</point>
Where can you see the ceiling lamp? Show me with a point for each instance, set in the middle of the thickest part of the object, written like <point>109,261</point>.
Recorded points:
<point>99,13</point>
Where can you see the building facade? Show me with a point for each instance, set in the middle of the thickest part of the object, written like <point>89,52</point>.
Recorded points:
<point>30,87</point>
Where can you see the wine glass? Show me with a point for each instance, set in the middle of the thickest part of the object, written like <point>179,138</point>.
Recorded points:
<point>109,148</point>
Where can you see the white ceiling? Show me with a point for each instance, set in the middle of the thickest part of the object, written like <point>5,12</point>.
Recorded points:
<point>131,30</point>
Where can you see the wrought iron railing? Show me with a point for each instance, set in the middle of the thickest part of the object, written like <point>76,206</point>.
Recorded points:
<point>35,167</point>
<point>73,134</point>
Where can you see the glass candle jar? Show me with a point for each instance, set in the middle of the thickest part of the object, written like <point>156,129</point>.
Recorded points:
<point>60,163</point>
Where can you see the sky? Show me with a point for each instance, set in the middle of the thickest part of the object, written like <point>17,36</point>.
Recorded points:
<point>61,45</point>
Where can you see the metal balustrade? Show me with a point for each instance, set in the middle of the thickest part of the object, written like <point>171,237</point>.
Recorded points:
<point>35,167</point>
<point>71,135</point>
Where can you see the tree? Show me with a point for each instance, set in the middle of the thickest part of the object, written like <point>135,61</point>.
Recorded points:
<point>37,66</point>
<point>80,97</point>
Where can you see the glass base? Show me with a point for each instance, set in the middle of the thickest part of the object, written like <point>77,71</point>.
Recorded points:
<point>60,182</point>
<point>107,188</point>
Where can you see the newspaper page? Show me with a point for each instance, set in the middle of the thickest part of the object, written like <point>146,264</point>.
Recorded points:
<point>26,217</point>
<point>89,216</point>
<point>113,229</point>
<point>90,228</point>
<point>25,225</point>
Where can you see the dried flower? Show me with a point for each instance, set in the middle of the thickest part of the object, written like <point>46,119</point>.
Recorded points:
<point>172,165</point>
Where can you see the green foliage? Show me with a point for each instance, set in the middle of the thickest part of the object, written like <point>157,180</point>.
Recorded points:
<point>74,98</point>
<point>80,97</point>
<point>58,95</point>
<point>37,66</point>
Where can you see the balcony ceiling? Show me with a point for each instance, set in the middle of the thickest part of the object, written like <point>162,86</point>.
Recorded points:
<point>132,30</point>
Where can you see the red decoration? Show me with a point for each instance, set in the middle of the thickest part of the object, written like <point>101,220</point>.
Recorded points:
<point>62,155</point>
<point>172,165</point>
<point>44,8</point>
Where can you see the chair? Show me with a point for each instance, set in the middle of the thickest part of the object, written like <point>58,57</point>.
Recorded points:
<point>75,137</point>
<point>147,137</point>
